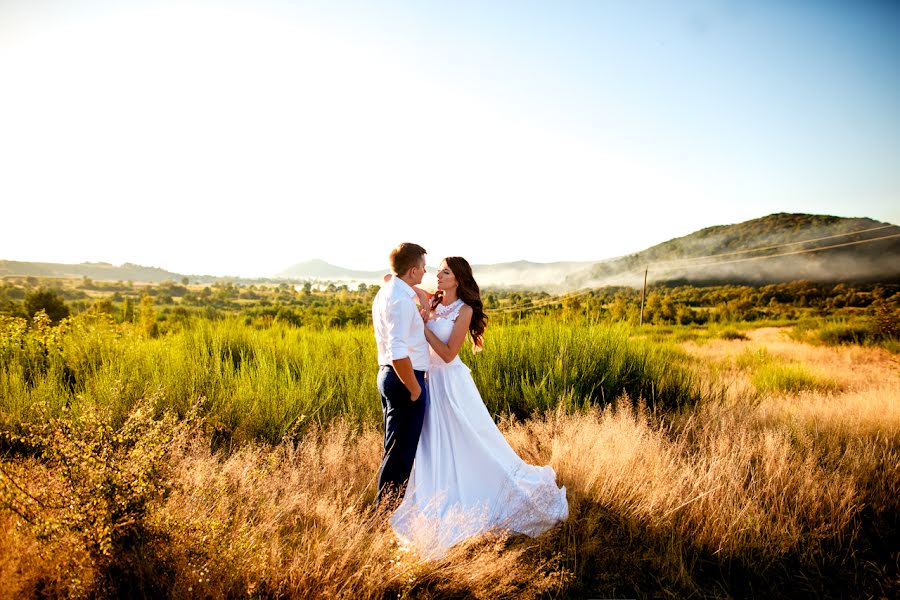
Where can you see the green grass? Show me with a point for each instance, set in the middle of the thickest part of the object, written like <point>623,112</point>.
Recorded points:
<point>753,359</point>
<point>771,374</point>
<point>533,367</point>
<point>775,377</point>
<point>270,382</point>
<point>732,334</point>
<point>836,332</point>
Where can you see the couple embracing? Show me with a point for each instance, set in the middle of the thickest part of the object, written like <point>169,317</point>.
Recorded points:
<point>447,469</point>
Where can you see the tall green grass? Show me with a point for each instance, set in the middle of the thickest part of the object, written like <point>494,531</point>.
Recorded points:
<point>536,366</point>
<point>846,330</point>
<point>268,383</point>
<point>771,374</point>
<point>790,378</point>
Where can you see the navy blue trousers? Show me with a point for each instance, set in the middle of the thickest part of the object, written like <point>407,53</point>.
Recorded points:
<point>402,426</point>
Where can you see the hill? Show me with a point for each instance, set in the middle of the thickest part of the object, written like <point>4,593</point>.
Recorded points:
<point>95,270</point>
<point>777,248</point>
<point>319,269</point>
<point>103,271</point>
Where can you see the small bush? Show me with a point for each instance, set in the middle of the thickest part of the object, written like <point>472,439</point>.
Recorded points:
<point>47,300</point>
<point>732,334</point>
<point>775,377</point>
<point>845,333</point>
<point>89,492</point>
<point>751,359</point>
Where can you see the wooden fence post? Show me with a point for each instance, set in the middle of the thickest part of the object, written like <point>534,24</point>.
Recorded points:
<point>643,292</point>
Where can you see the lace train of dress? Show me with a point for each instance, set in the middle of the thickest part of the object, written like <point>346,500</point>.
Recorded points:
<point>466,478</point>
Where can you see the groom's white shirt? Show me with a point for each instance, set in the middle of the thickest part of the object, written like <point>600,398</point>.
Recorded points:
<point>399,330</point>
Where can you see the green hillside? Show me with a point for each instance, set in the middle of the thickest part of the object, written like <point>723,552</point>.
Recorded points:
<point>776,248</point>
<point>103,271</point>
<point>94,270</point>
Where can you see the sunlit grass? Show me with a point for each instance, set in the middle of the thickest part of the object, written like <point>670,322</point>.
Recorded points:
<point>750,489</point>
<point>790,481</point>
<point>271,382</point>
<point>771,378</point>
<point>844,331</point>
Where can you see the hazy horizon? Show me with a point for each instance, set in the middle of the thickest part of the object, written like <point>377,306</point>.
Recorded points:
<point>238,138</point>
<point>631,277</point>
<point>375,266</point>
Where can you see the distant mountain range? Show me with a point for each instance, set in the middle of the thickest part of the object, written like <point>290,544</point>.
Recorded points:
<point>102,271</point>
<point>94,270</point>
<point>319,269</point>
<point>776,248</point>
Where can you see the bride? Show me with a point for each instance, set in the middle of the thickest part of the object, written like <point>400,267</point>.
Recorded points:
<point>466,478</point>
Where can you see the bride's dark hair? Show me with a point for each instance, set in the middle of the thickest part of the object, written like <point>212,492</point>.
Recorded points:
<point>468,292</point>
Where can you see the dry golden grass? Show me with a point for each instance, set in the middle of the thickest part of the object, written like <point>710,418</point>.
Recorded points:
<point>787,494</point>
<point>855,368</point>
<point>865,404</point>
<point>21,565</point>
<point>298,521</point>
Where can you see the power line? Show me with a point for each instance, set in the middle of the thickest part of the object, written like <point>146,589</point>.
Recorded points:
<point>804,251</point>
<point>818,239</point>
<point>541,303</point>
<point>559,299</point>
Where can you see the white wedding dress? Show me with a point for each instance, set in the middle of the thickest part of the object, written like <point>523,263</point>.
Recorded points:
<point>466,478</point>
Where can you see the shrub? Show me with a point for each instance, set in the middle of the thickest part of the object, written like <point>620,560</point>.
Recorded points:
<point>48,301</point>
<point>91,489</point>
<point>845,333</point>
<point>732,334</point>
<point>886,319</point>
<point>774,377</point>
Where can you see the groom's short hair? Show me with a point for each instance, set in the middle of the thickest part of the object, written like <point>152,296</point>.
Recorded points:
<point>405,256</point>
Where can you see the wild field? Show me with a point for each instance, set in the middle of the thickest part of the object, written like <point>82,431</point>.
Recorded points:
<point>228,459</point>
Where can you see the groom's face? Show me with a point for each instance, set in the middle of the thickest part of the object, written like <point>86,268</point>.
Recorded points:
<point>419,270</point>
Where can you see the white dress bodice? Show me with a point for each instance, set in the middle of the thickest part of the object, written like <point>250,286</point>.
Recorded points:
<point>441,322</point>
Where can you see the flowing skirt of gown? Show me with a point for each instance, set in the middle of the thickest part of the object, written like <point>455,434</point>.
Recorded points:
<point>466,478</point>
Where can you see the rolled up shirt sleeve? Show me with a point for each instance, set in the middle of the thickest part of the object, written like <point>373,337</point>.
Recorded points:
<point>399,316</point>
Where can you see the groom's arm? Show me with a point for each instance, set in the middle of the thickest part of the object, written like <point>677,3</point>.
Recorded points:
<point>399,316</point>
<point>403,368</point>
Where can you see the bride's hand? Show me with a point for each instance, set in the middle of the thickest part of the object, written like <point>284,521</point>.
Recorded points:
<point>424,299</point>
<point>424,304</point>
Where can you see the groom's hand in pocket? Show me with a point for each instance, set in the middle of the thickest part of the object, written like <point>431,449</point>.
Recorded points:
<point>403,368</point>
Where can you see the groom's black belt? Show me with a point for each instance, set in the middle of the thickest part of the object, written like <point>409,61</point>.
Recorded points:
<point>391,367</point>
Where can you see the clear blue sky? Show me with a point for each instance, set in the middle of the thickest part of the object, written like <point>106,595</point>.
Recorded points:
<point>237,138</point>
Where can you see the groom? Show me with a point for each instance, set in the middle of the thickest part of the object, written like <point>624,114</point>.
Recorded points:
<point>403,360</point>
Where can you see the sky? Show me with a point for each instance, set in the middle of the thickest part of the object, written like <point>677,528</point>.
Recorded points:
<point>237,138</point>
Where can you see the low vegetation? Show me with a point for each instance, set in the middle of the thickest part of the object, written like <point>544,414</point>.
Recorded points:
<point>233,453</point>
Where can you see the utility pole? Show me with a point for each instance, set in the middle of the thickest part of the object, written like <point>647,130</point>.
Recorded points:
<point>643,292</point>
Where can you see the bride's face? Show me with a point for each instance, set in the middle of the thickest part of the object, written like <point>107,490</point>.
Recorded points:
<point>446,280</point>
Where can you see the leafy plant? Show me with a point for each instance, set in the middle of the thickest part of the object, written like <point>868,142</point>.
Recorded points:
<point>92,485</point>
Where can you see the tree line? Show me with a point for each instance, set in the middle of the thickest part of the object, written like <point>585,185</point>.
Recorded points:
<point>161,307</point>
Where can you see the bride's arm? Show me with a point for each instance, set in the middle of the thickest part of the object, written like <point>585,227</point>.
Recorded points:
<point>448,351</point>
